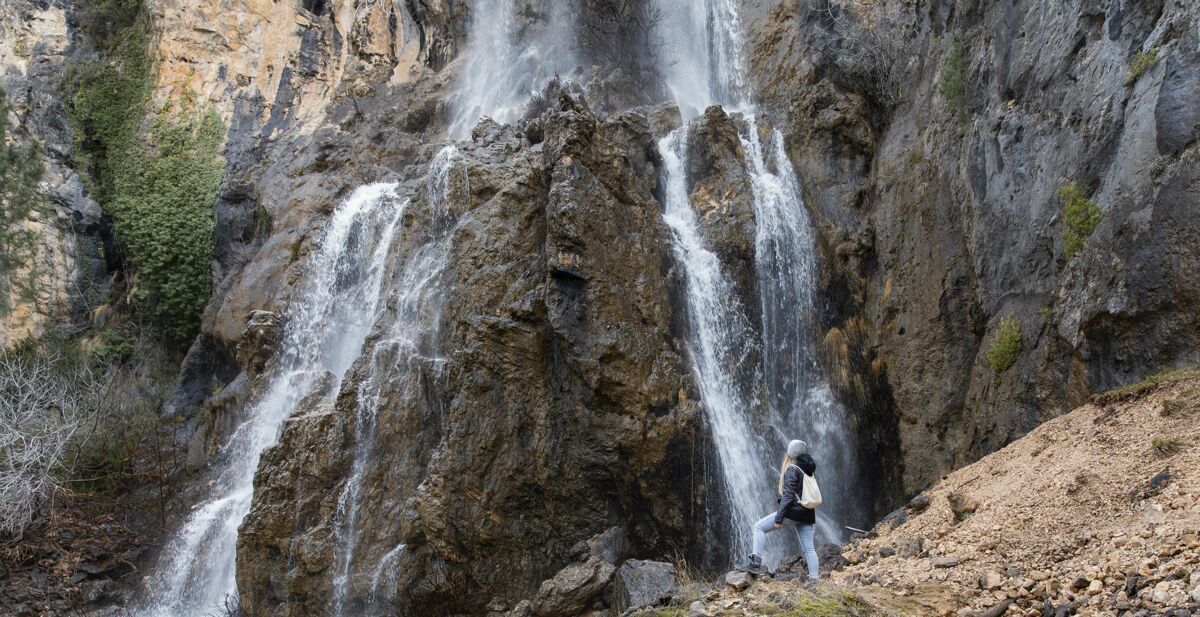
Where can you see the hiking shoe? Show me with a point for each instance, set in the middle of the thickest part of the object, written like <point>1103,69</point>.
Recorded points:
<point>752,565</point>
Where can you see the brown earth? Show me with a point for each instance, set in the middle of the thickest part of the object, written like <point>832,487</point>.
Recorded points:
<point>1098,509</point>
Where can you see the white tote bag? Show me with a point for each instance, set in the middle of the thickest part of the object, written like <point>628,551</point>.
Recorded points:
<point>810,496</point>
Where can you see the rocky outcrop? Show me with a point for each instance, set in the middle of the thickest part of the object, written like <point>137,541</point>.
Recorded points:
<point>57,272</point>
<point>941,215</point>
<point>562,408</point>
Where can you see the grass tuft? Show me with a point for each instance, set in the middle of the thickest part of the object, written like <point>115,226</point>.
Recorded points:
<point>1139,65</point>
<point>1166,446</point>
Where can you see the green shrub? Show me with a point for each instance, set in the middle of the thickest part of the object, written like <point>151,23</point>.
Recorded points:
<point>20,171</point>
<point>1006,345</point>
<point>953,81</point>
<point>1139,65</point>
<point>1080,218</point>
<point>114,348</point>
<point>158,182</point>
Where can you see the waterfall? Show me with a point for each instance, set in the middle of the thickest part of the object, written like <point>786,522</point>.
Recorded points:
<point>409,342</point>
<point>327,323</point>
<point>788,397</point>
<point>720,335</point>
<point>510,55</point>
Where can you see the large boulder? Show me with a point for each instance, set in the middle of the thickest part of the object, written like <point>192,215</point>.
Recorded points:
<point>642,584</point>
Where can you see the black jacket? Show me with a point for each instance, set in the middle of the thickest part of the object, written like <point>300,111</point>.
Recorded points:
<point>793,487</point>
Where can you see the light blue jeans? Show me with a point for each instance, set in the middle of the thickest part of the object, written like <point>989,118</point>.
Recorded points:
<point>766,525</point>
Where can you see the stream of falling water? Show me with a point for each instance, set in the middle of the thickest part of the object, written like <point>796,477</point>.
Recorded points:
<point>514,48</point>
<point>787,396</point>
<point>414,311</point>
<point>327,323</point>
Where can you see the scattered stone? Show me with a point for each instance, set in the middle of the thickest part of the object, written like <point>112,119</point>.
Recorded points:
<point>919,504</point>
<point>945,561</point>
<point>1095,587</point>
<point>696,609</point>
<point>1079,583</point>
<point>991,581</point>
<point>998,609</point>
<point>1153,514</point>
<point>912,547</point>
<point>739,581</point>
<point>887,551</point>
<point>572,589</point>
<point>962,505</point>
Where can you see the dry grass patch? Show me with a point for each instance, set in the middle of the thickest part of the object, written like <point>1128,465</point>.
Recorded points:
<point>1146,385</point>
<point>1166,446</point>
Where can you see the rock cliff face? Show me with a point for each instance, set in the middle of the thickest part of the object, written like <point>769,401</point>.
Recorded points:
<point>549,424</point>
<point>560,408</point>
<point>942,214</point>
<point>35,41</point>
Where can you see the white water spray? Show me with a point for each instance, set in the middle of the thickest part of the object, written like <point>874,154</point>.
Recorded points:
<point>514,48</point>
<point>410,342</point>
<point>749,433</point>
<point>327,322</point>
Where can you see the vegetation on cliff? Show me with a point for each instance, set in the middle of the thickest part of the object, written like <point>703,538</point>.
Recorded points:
<point>155,172</point>
<point>20,171</point>
<point>1080,218</point>
<point>1006,345</point>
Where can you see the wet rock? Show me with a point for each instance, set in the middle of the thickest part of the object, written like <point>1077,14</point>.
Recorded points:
<point>642,584</point>
<point>562,390</point>
<point>721,193</point>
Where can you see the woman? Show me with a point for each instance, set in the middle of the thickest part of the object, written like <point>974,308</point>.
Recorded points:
<point>796,463</point>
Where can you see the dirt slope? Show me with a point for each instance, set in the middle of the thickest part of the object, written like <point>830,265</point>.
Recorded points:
<point>1097,511</point>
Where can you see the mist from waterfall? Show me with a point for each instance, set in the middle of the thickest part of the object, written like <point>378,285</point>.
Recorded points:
<point>408,344</point>
<point>326,324</point>
<point>789,397</point>
<point>514,47</point>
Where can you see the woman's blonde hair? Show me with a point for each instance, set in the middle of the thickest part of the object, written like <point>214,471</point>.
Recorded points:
<point>788,461</point>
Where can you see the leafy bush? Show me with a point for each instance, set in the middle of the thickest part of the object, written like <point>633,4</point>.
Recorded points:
<point>159,189</point>
<point>20,171</point>
<point>953,81</point>
<point>114,348</point>
<point>1006,345</point>
<point>1139,65</point>
<point>1080,218</point>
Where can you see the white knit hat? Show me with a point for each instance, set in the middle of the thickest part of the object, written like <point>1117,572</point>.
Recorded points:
<point>796,448</point>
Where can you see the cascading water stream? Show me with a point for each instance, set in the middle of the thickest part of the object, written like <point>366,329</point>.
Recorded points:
<point>327,323</point>
<point>720,335</point>
<point>788,397</point>
<point>410,341</point>
<point>799,400</point>
<point>513,50</point>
